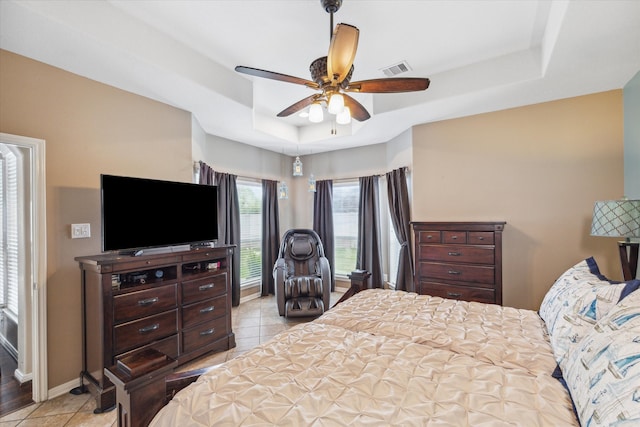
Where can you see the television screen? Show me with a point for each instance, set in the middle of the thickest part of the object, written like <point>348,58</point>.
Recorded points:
<point>140,213</point>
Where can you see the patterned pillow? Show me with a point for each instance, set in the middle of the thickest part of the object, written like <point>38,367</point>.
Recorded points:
<point>552,304</point>
<point>603,371</point>
<point>578,299</point>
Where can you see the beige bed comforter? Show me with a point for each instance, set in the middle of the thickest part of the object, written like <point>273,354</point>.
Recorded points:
<point>325,373</point>
<point>503,336</point>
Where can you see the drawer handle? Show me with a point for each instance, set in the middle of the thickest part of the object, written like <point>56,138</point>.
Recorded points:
<point>207,309</point>
<point>481,238</point>
<point>453,295</point>
<point>454,237</point>
<point>148,329</point>
<point>429,237</point>
<point>454,272</point>
<point>208,332</point>
<point>206,287</point>
<point>148,301</point>
<point>454,254</point>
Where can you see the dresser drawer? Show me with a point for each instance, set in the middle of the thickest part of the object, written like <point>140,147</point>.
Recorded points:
<point>144,303</point>
<point>204,288</point>
<point>204,255</point>
<point>143,331</point>
<point>138,264</point>
<point>481,238</point>
<point>203,311</point>
<point>201,335</point>
<point>168,346</point>
<point>429,237</point>
<point>456,254</point>
<point>457,272</point>
<point>465,293</point>
<point>458,237</point>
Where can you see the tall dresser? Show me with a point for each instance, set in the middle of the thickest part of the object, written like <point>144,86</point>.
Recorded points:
<point>177,303</point>
<point>459,260</point>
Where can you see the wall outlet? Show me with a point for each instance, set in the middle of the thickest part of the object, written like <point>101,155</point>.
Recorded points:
<point>80,231</point>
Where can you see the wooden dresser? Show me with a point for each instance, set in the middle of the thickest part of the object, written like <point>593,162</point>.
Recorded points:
<point>178,303</point>
<point>459,260</point>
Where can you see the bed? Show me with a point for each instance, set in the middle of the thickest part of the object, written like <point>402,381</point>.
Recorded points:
<point>387,357</point>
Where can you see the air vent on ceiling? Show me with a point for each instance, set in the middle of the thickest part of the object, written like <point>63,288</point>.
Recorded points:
<point>395,69</point>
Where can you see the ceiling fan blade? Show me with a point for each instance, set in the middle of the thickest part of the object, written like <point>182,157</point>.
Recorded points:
<point>392,85</point>
<point>276,76</point>
<point>342,51</point>
<point>303,103</point>
<point>356,109</point>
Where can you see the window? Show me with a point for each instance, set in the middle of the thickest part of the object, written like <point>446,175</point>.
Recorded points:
<point>9,234</point>
<point>250,201</point>
<point>346,197</point>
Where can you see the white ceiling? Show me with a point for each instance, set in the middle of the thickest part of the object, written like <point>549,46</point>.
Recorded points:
<point>481,55</point>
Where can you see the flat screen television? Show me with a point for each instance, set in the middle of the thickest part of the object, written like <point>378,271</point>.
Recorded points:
<point>140,213</point>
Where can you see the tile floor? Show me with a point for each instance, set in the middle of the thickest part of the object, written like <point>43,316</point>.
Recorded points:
<point>254,322</point>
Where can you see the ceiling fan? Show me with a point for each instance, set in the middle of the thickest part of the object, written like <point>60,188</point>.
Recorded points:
<point>331,76</point>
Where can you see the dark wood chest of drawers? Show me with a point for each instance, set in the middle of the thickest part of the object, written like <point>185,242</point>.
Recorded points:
<point>177,303</point>
<point>459,260</point>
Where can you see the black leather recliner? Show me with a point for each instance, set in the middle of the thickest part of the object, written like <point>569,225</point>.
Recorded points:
<point>302,275</point>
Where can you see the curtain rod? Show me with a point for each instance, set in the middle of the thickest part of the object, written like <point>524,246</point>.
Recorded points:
<point>380,175</point>
<point>196,168</point>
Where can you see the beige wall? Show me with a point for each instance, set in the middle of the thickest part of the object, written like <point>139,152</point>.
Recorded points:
<point>89,128</point>
<point>539,168</point>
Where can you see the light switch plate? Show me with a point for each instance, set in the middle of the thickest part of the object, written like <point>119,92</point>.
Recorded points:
<point>80,231</point>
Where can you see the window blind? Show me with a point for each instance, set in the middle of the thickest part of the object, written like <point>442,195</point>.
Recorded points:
<point>250,201</point>
<point>346,195</point>
<point>9,239</point>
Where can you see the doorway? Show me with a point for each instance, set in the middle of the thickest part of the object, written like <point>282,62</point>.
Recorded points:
<point>23,311</point>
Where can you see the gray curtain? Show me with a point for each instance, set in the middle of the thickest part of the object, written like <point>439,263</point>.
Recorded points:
<point>270,234</point>
<point>400,211</point>
<point>368,257</point>
<point>323,222</point>
<point>206,174</point>
<point>229,225</point>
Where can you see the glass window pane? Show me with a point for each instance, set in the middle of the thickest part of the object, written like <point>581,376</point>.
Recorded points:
<point>250,201</point>
<point>345,223</point>
<point>9,243</point>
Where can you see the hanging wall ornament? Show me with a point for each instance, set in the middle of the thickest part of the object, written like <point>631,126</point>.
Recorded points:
<point>312,184</point>
<point>297,167</point>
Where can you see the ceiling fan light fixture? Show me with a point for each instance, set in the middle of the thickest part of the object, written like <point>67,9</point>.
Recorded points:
<point>336,103</point>
<point>331,76</point>
<point>344,117</point>
<point>315,113</point>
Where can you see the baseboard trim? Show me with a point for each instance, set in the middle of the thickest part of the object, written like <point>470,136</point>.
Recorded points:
<point>62,389</point>
<point>22,377</point>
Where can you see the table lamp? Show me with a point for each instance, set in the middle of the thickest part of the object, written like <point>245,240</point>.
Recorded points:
<point>620,218</point>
